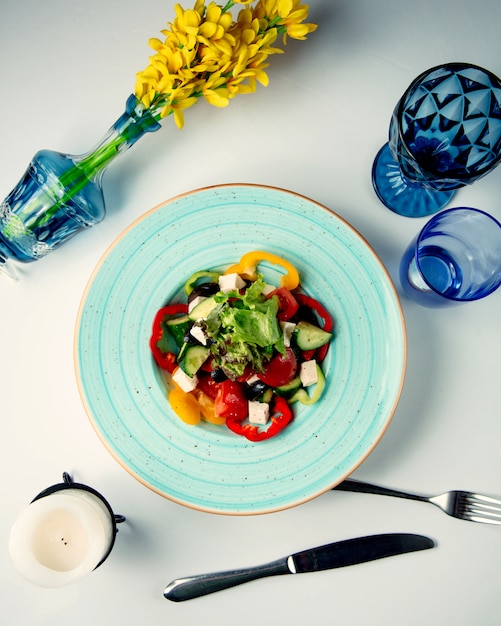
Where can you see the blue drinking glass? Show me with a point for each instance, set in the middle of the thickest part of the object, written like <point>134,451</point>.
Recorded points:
<point>445,132</point>
<point>455,258</point>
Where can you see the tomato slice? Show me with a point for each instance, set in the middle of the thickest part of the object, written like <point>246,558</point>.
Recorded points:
<point>280,370</point>
<point>247,374</point>
<point>287,305</point>
<point>208,365</point>
<point>307,355</point>
<point>207,408</point>
<point>230,400</point>
<point>207,384</point>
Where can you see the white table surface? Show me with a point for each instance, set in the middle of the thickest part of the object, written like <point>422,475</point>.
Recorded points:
<point>67,68</point>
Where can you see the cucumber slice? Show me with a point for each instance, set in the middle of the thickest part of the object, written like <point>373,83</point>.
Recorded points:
<point>309,337</point>
<point>202,309</point>
<point>177,327</point>
<point>191,358</point>
<point>301,394</point>
<point>289,389</point>
<point>267,395</point>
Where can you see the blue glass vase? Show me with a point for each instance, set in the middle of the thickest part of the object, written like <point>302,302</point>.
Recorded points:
<point>445,133</point>
<point>60,195</point>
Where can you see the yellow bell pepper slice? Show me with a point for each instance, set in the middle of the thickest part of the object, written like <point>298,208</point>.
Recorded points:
<point>194,406</point>
<point>207,408</point>
<point>247,267</point>
<point>185,406</point>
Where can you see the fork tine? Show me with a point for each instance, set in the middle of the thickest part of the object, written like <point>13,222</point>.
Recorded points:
<point>478,508</point>
<point>482,519</point>
<point>486,501</point>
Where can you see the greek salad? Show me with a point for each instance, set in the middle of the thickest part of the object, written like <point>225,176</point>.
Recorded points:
<point>241,352</point>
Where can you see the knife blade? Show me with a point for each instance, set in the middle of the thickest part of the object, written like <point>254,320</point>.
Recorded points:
<point>330,556</point>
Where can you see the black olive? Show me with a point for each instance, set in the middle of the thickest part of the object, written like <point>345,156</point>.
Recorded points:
<point>218,375</point>
<point>204,290</point>
<point>252,392</point>
<point>306,314</point>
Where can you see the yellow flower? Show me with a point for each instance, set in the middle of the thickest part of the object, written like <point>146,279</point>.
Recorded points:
<point>185,26</point>
<point>206,53</point>
<point>287,15</point>
<point>181,99</point>
<point>216,23</point>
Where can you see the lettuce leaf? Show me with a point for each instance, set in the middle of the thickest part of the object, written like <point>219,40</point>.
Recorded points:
<point>244,329</point>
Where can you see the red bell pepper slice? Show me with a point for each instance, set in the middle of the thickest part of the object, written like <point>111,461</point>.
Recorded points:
<point>165,360</point>
<point>281,416</point>
<point>320,310</point>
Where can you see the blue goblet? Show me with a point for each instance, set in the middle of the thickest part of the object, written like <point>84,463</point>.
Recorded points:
<point>445,132</point>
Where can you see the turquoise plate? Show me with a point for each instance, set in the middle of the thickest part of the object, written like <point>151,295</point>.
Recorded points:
<point>208,467</point>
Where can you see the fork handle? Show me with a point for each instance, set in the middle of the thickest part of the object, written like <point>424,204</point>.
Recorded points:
<point>361,487</point>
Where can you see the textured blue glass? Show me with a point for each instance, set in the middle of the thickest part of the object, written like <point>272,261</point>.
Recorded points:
<point>445,133</point>
<point>455,258</point>
<point>59,194</point>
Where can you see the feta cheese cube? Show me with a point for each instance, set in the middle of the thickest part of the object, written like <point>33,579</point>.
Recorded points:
<point>259,412</point>
<point>252,379</point>
<point>185,382</point>
<point>308,373</point>
<point>287,329</point>
<point>230,282</point>
<point>198,333</point>
<point>193,303</point>
<point>267,289</point>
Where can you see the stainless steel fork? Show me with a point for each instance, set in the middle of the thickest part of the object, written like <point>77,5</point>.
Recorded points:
<point>461,504</point>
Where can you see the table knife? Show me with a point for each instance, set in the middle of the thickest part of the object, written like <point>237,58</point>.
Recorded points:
<point>332,555</point>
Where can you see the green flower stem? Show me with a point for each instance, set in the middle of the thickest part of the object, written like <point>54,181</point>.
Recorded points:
<point>227,6</point>
<point>124,133</point>
<point>73,180</point>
